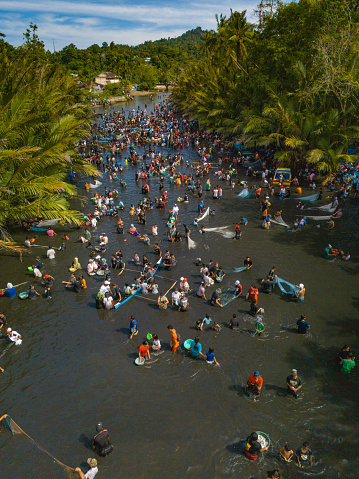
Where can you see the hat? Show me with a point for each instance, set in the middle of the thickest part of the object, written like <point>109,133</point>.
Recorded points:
<point>181,279</point>
<point>256,373</point>
<point>9,286</point>
<point>294,371</point>
<point>8,330</point>
<point>90,260</point>
<point>330,246</point>
<point>98,257</point>
<point>259,320</point>
<point>92,462</point>
<point>237,282</point>
<point>185,279</point>
<point>132,226</point>
<point>107,282</point>
<point>301,285</point>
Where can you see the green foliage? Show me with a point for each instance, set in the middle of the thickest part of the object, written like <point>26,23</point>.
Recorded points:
<point>291,82</point>
<point>39,126</point>
<point>113,89</point>
<point>167,56</point>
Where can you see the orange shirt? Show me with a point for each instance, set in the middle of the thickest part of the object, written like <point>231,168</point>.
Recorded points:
<point>174,336</point>
<point>253,293</point>
<point>143,350</point>
<point>252,379</point>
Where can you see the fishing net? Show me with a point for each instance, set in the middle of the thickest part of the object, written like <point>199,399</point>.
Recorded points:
<point>286,287</point>
<point>318,218</point>
<point>306,198</point>
<point>329,208</point>
<point>191,244</point>
<point>244,193</point>
<point>206,213</point>
<point>242,268</point>
<point>220,230</point>
<point>7,349</point>
<point>279,221</point>
<point>227,296</point>
<point>16,429</point>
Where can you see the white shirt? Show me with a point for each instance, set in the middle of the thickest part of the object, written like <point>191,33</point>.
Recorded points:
<point>154,230</point>
<point>91,473</point>
<point>176,296</point>
<point>108,302</point>
<point>105,288</point>
<point>175,209</point>
<point>14,336</point>
<point>90,268</point>
<point>94,221</point>
<point>104,239</point>
<point>51,253</point>
<point>208,280</point>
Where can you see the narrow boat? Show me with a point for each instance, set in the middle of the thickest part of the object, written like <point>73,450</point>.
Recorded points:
<point>137,290</point>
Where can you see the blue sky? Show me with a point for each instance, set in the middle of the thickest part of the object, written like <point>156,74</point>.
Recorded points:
<point>130,22</point>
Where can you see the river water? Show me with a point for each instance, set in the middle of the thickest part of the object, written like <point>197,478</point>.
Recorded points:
<point>177,417</point>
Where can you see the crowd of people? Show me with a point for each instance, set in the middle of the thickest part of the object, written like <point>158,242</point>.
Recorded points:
<point>115,138</point>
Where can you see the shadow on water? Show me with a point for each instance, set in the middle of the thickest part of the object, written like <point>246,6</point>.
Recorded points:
<point>237,447</point>
<point>280,391</point>
<point>86,441</point>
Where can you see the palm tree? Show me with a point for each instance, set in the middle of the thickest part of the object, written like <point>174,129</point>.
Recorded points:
<point>39,126</point>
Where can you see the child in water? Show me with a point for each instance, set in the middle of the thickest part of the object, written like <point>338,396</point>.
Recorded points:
<point>286,453</point>
<point>210,357</point>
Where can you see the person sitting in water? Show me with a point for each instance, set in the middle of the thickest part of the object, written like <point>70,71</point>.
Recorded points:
<point>302,325</point>
<point>253,447</point>
<point>14,336</point>
<point>91,473</point>
<point>254,384</point>
<point>156,344</point>
<point>259,327</point>
<point>162,302</point>
<point>346,256</point>
<point>286,453</point>
<point>304,455</point>
<point>134,232</point>
<point>328,251</point>
<point>268,284</point>
<point>144,351</point>
<point>215,327</point>
<point>301,293</point>
<point>101,441</point>
<point>215,299</point>
<point>9,291</point>
<point>196,349</point>
<point>254,309</point>
<point>32,293</point>
<point>76,264</point>
<point>344,352</point>
<point>2,320</point>
<point>275,474</point>
<point>234,324</point>
<point>211,358</point>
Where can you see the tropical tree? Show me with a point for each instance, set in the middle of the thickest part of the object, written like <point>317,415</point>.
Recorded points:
<point>39,126</point>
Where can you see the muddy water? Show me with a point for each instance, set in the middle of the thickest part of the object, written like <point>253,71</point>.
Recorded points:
<point>178,417</point>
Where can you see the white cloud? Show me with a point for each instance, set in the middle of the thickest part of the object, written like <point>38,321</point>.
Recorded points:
<point>86,23</point>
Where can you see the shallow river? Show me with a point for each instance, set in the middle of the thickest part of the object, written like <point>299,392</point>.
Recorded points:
<point>177,417</point>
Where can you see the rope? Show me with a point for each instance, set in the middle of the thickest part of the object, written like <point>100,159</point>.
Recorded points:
<point>16,429</point>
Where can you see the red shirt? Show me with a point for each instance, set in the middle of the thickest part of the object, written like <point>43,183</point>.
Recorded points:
<point>143,350</point>
<point>252,380</point>
<point>253,293</point>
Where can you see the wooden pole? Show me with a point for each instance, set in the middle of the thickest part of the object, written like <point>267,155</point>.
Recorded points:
<point>170,288</point>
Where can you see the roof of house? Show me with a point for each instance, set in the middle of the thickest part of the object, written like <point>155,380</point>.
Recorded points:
<point>108,75</point>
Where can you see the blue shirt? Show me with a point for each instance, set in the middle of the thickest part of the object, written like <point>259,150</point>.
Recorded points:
<point>210,357</point>
<point>10,292</point>
<point>195,352</point>
<point>133,326</point>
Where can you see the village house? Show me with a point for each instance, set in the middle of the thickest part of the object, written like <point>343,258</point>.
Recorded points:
<point>105,78</point>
